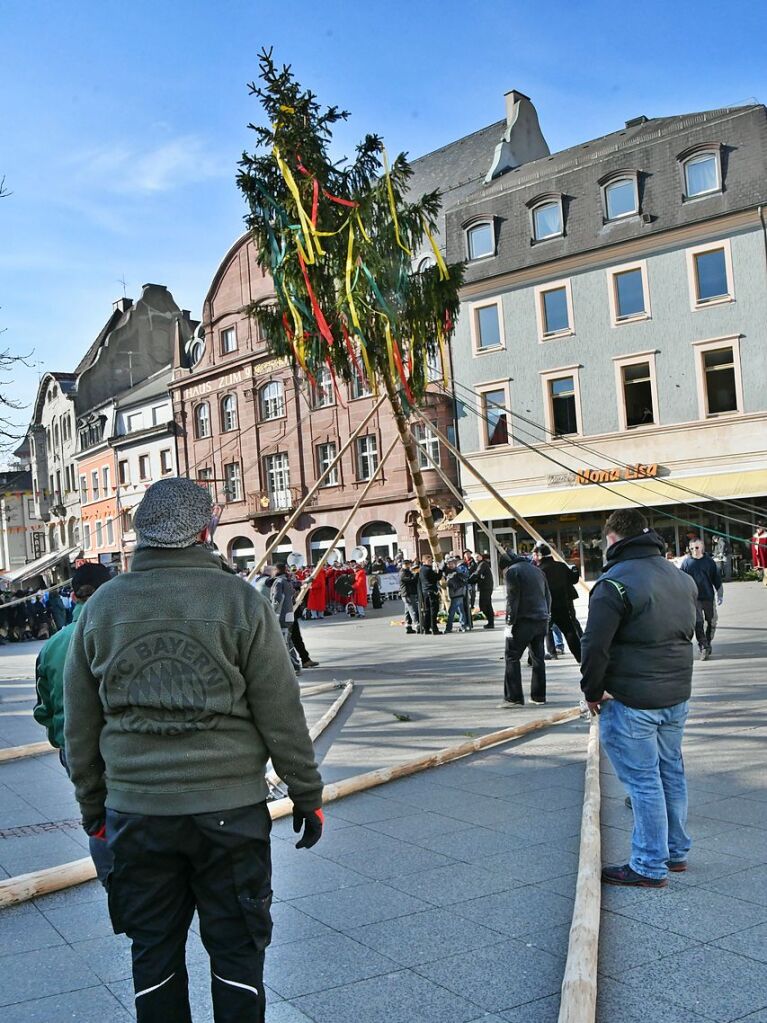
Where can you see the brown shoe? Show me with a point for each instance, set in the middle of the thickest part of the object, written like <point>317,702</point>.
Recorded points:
<point>629,878</point>
<point>677,866</point>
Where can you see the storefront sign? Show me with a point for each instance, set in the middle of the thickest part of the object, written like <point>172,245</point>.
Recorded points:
<point>628,472</point>
<point>560,479</point>
<point>270,366</point>
<point>216,385</point>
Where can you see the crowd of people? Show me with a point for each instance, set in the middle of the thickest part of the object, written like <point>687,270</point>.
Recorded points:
<point>34,614</point>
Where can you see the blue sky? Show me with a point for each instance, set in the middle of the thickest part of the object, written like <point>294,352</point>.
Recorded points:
<point>122,123</point>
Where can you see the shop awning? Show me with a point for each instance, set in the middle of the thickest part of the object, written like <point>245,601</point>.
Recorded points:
<point>34,568</point>
<point>652,493</point>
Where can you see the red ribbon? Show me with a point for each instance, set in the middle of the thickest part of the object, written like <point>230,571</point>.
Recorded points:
<point>319,316</point>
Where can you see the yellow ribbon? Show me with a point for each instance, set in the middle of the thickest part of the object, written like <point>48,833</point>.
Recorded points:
<point>390,352</point>
<point>393,206</point>
<point>442,355</point>
<point>363,232</point>
<point>348,275</point>
<point>443,274</point>
<point>307,227</point>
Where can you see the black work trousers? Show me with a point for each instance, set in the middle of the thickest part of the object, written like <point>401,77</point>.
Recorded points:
<point>565,620</point>
<point>486,606</point>
<point>705,623</point>
<point>298,642</point>
<point>164,869</point>
<point>430,606</point>
<point>526,632</point>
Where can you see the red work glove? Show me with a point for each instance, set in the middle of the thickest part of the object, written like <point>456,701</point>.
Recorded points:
<point>96,828</point>
<point>311,823</point>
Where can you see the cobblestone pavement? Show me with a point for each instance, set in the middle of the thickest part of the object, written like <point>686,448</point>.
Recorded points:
<point>445,897</point>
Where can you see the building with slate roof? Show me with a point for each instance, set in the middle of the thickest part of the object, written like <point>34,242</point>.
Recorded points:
<point>610,348</point>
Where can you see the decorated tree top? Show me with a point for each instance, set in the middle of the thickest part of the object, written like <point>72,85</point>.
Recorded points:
<point>339,239</point>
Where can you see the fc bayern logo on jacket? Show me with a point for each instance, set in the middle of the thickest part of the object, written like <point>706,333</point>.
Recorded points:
<point>167,683</point>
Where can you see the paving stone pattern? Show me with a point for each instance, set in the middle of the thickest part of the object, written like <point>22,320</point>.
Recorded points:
<point>446,897</point>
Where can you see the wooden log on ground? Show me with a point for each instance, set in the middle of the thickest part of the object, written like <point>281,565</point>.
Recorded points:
<point>321,687</point>
<point>31,749</point>
<point>578,1003</point>
<point>272,778</point>
<point>40,882</point>
<point>362,782</point>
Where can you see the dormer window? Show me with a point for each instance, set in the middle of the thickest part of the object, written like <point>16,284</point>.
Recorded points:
<point>480,240</point>
<point>702,170</point>
<point>621,197</point>
<point>546,216</point>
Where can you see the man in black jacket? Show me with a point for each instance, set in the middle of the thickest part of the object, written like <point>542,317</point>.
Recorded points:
<point>704,572</point>
<point>408,590</point>
<point>528,606</point>
<point>428,586</point>
<point>561,579</point>
<point>483,580</point>
<point>637,648</point>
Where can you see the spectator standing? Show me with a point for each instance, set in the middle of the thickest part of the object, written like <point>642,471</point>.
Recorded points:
<point>704,572</point>
<point>637,648</point>
<point>528,607</point>
<point>177,690</point>
<point>408,588</point>
<point>360,591</point>
<point>484,582</point>
<point>282,597</point>
<point>456,587</point>
<point>428,586</point>
<point>561,579</point>
<point>317,599</point>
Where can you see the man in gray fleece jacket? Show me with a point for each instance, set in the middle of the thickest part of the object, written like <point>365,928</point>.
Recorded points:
<point>177,689</point>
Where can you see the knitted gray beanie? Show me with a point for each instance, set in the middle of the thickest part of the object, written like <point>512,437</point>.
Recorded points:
<point>173,513</point>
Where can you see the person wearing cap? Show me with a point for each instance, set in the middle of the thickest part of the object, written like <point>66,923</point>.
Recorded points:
<point>178,689</point>
<point>49,683</point>
<point>561,579</point>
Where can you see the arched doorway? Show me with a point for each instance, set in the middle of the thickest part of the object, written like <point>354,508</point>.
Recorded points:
<point>280,555</point>
<point>322,539</point>
<point>242,554</point>
<point>73,532</point>
<point>380,538</point>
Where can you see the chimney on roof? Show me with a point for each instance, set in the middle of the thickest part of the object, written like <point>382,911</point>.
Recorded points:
<point>635,121</point>
<point>522,141</point>
<point>122,305</point>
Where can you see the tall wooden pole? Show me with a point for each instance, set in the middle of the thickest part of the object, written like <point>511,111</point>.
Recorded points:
<point>305,500</point>
<point>363,494</point>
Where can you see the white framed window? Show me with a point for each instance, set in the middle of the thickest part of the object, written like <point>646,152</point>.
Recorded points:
<point>367,456</point>
<point>86,536</point>
<point>202,420</point>
<point>196,351</point>
<point>205,479</point>
<point>166,461</point>
<point>105,479</point>
<point>427,440</point>
<point>702,173</point>
<point>322,393</point>
<point>135,422</point>
<point>359,386</point>
<point>160,414</point>
<point>99,533</point>
<point>144,467</point>
<point>554,310</point>
<point>123,472</point>
<point>486,320</point>
<point>228,413</point>
<point>628,293</point>
<point>480,240</point>
<point>325,455</point>
<point>95,492</point>
<point>425,263</point>
<point>110,532</point>
<point>719,377</point>
<point>228,340</point>
<point>562,401</point>
<point>233,481</point>
<point>495,427</point>
<point>277,473</point>
<point>83,489</point>
<point>636,388</point>
<point>547,220</point>
<point>272,401</point>
<point>620,197</point>
<point>709,272</point>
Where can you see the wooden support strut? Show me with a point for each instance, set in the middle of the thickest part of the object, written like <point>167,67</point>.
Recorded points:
<point>513,513</point>
<point>272,778</point>
<point>363,494</point>
<point>579,986</point>
<point>31,749</point>
<point>40,882</point>
<point>305,500</point>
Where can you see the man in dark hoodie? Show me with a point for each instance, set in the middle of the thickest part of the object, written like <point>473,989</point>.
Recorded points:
<point>704,572</point>
<point>528,607</point>
<point>177,690</point>
<point>637,648</point>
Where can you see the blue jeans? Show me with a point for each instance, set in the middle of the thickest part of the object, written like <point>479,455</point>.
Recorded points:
<point>456,608</point>
<point>645,749</point>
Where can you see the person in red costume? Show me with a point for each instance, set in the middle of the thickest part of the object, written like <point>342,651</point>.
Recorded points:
<point>759,547</point>
<point>317,599</point>
<point>360,592</point>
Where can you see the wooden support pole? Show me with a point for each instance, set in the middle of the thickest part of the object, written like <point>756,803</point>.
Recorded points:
<point>31,749</point>
<point>305,500</point>
<point>578,1003</point>
<point>512,512</point>
<point>28,886</point>
<point>363,494</point>
<point>321,687</point>
<point>272,778</point>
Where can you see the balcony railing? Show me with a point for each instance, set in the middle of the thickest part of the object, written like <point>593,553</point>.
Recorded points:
<point>264,502</point>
